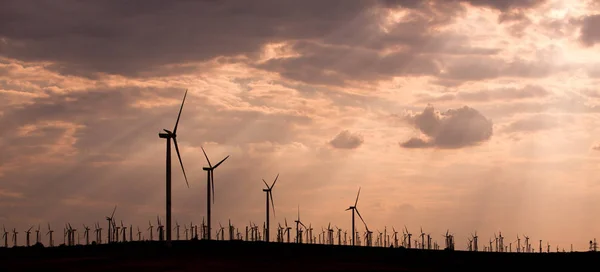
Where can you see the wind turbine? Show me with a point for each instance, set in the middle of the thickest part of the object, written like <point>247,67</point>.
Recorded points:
<point>124,231</point>
<point>355,209</point>
<point>395,237</point>
<point>5,236</point>
<point>98,231</point>
<point>287,230</point>
<point>422,235</point>
<point>150,228</point>
<point>269,192</point>
<point>28,232</point>
<point>110,222</point>
<point>168,135</point>
<point>86,233</point>
<point>210,186</point>
<point>408,235</point>
<point>298,231</point>
<point>475,244</point>
<point>37,234</point>
<point>50,231</point>
<point>15,232</point>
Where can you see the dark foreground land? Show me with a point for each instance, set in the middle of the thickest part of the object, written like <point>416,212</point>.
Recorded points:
<point>259,256</point>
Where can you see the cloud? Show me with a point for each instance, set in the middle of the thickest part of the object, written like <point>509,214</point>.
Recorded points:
<point>596,147</point>
<point>590,34</point>
<point>455,128</point>
<point>347,140</point>
<point>507,4</point>
<point>460,70</point>
<point>499,94</point>
<point>533,123</point>
<point>166,39</point>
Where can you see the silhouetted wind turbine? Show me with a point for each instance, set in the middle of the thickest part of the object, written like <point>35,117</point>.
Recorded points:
<point>50,240</point>
<point>5,236</point>
<point>269,192</point>
<point>210,186</point>
<point>110,222</point>
<point>27,233</point>
<point>86,233</point>
<point>354,209</point>
<point>15,232</point>
<point>37,234</point>
<point>298,224</point>
<point>167,134</point>
<point>98,231</point>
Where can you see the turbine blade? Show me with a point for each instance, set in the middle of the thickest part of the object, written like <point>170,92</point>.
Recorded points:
<point>266,183</point>
<point>179,115</point>
<point>212,185</point>
<point>206,156</point>
<point>217,165</point>
<point>356,202</point>
<point>113,213</point>
<point>180,161</point>
<point>359,216</point>
<point>272,203</point>
<point>275,180</point>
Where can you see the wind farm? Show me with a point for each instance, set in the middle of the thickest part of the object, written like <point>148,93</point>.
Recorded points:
<point>229,243</point>
<point>360,135</point>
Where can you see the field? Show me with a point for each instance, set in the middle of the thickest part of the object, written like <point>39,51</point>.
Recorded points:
<point>260,256</point>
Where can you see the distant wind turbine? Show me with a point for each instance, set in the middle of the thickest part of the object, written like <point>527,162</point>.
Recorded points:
<point>210,186</point>
<point>355,209</point>
<point>269,192</point>
<point>110,222</point>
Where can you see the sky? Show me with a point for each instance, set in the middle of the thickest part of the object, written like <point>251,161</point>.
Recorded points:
<point>466,115</point>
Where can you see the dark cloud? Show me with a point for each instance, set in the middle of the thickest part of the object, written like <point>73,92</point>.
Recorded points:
<point>455,128</point>
<point>464,69</point>
<point>143,36</point>
<point>321,64</point>
<point>506,4</point>
<point>590,34</point>
<point>347,140</point>
<point>153,38</point>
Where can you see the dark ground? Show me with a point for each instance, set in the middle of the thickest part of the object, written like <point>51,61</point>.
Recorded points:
<point>251,256</point>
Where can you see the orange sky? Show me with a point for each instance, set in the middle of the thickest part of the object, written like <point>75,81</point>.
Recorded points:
<point>332,95</point>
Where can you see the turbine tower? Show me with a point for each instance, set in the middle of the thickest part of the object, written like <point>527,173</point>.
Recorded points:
<point>354,209</point>
<point>269,192</point>
<point>168,135</point>
<point>210,186</point>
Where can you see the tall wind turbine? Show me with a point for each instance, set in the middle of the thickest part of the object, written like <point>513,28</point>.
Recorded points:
<point>354,209</point>
<point>110,222</point>
<point>210,186</point>
<point>269,192</point>
<point>168,135</point>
